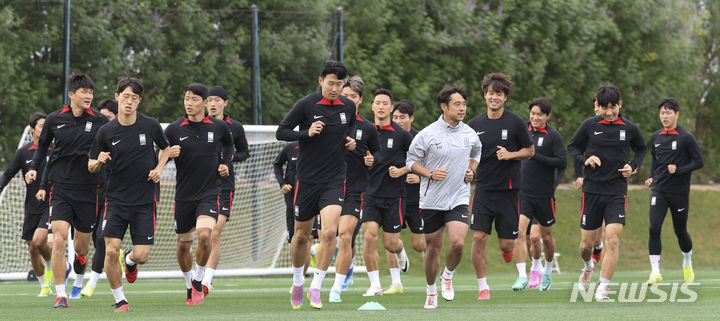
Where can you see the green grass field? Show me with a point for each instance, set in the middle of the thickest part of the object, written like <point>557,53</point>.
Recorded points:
<point>268,299</point>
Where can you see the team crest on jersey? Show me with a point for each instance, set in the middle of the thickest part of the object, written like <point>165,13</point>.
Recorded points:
<point>674,145</point>
<point>211,137</point>
<point>504,134</point>
<point>143,142</point>
<point>390,143</point>
<point>466,141</point>
<point>343,118</point>
<point>358,134</point>
<point>88,126</point>
<point>622,134</point>
<point>540,141</point>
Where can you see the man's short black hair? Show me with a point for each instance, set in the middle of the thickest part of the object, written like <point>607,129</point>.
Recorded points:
<point>35,118</point>
<point>335,68</point>
<point>543,104</point>
<point>383,91</point>
<point>109,104</point>
<point>498,82</point>
<point>608,95</point>
<point>77,81</point>
<point>198,89</point>
<point>405,107</point>
<point>135,84</point>
<point>445,93</point>
<point>670,103</point>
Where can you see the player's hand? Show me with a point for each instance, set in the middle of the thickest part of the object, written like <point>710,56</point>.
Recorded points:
<point>104,157</point>
<point>315,128</point>
<point>626,171</point>
<point>502,153</point>
<point>223,170</point>
<point>469,175</point>
<point>593,161</point>
<point>286,188</point>
<point>174,151</point>
<point>439,174</point>
<point>40,196</point>
<point>579,182</point>
<point>30,176</point>
<point>648,182</point>
<point>412,179</point>
<point>369,159</point>
<point>350,143</point>
<point>394,172</point>
<point>672,169</point>
<point>154,175</point>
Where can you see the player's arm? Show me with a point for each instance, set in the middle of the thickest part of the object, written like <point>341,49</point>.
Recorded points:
<point>12,169</point>
<point>416,156</point>
<point>45,180</point>
<point>557,159</point>
<point>639,147</point>
<point>578,143</point>
<point>162,142</point>
<point>396,172</point>
<point>96,157</point>
<point>173,141</point>
<point>227,151</point>
<point>278,164</point>
<point>241,145</point>
<point>46,137</point>
<point>696,157</point>
<point>653,161</point>
<point>294,117</point>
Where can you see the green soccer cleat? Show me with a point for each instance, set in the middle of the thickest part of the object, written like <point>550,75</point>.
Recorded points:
<point>545,283</point>
<point>87,291</point>
<point>520,284</point>
<point>689,275</point>
<point>45,291</point>
<point>314,248</point>
<point>48,277</point>
<point>654,278</point>
<point>314,297</point>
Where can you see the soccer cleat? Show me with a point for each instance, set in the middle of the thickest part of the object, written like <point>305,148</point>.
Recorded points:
<point>507,256</point>
<point>372,291</point>
<point>45,291</point>
<point>395,288</point>
<point>601,295</point>
<point>79,264</point>
<point>313,249</point>
<point>403,261</point>
<point>314,297</point>
<point>121,306</point>
<point>446,288</point>
<point>207,288</point>
<point>188,298</point>
<point>75,292</point>
<point>688,275</point>
<point>534,281</point>
<point>296,297</point>
<point>654,278</point>
<point>585,278</point>
<point>596,256</point>
<point>484,295</point>
<point>348,282</point>
<point>87,291</point>
<point>196,293</point>
<point>431,301</point>
<point>545,283</point>
<point>334,296</point>
<point>61,302</point>
<point>48,276</point>
<point>520,284</point>
<point>131,271</point>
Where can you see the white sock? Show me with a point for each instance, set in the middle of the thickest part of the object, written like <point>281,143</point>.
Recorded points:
<point>447,273</point>
<point>339,279</point>
<point>78,280</point>
<point>655,263</point>
<point>209,274</point>
<point>482,284</point>
<point>548,267</point>
<point>128,261</point>
<point>687,259</point>
<point>118,294</point>
<point>521,270</point>
<point>431,289</point>
<point>298,276</point>
<point>94,276</point>
<point>60,290</point>
<point>317,279</point>
<point>41,279</point>
<point>374,277</point>
<point>603,283</point>
<point>536,265</point>
<point>188,279</point>
<point>599,246</point>
<point>199,272</point>
<point>589,265</point>
<point>395,275</point>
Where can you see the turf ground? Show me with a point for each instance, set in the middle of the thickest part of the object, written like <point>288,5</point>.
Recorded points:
<point>267,298</point>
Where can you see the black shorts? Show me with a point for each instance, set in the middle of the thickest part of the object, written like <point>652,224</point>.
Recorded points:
<point>186,213</point>
<point>140,218</point>
<point>352,205</point>
<point>598,207</point>
<point>539,209</point>
<point>226,199</point>
<point>78,207</point>
<point>660,203</point>
<point>433,220</point>
<point>290,225</point>
<point>413,219</point>
<point>500,206</point>
<point>32,222</point>
<point>311,198</point>
<point>387,212</point>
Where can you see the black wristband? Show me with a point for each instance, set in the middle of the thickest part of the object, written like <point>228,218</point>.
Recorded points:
<point>431,172</point>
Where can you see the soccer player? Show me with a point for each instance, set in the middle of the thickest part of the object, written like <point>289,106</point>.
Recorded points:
<point>74,190</point>
<point>607,139</point>
<point>540,176</point>
<point>35,221</point>
<point>446,155</point>
<point>505,142</point>
<point>200,138</point>
<point>125,145</point>
<point>325,119</point>
<point>383,204</point>
<point>675,154</point>
<point>107,107</point>
<point>356,179</point>
<point>215,103</point>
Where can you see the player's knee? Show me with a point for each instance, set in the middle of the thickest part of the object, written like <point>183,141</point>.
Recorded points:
<point>680,231</point>
<point>371,236</point>
<point>183,243</point>
<point>479,238</point>
<point>418,246</point>
<point>392,244</point>
<point>507,247</point>
<point>547,238</point>
<point>612,241</point>
<point>140,257</point>
<point>534,238</point>
<point>33,247</point>
<point>657,230</point>
<point>112,253</point>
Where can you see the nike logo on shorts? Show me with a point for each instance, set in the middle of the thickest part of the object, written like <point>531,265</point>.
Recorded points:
<point>598,133</point>
<point>341,199</point>
<point>28,161</point>
<point>515,233</point>
<point>680,209</point>
<point>211,211</point>
<point>151,237</point>
<point>464,216</point>
<point>224,208</point>
<point>396,226</point>
<point>183,138</point>
<point>621,216</point>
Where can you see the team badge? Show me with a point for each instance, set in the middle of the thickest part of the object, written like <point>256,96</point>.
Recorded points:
<point>390,143</point>
<point>674,145</point>
<point>211,137</point>
<point>143,142</point>
<point>540,141</point>
<point>343,118</point>
<point>358,134</point>
<point>88,126</point>
<point>504,134</point>
<point>622,134</point>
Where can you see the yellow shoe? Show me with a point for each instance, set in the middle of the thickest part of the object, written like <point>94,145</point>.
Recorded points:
<point>48,277</point>
<point>87,291</point>
<point>45,291</point>
<point>395,288</point>
<point>654,278</point>
<point>121,259</point>
<point>689,274</point>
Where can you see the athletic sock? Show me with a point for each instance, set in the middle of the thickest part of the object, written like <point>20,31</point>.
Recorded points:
<point>78,280</point>
<point>430,289</point>
<point>129,261</point>
<point>589,265</point>
<point>188,279</point>
<point>521,270</point>
<point>317,279</point>
<point>482,284</point>
<point>118,294</point>
<point>395,275</point>
<point>199,272</point>
<point>447,273</point>
<point>687,259</point>
<point>339,279</point>
<point>655,263</point>
<point>298,276</point>
<point>536,265</point>
<point>60,290</point>
<point>94,276</point>
<point>548,267</point>
<point>598,248</point>
<point>209,275</point>
<point>374,277</point>
<point>41,279</point>
<point>603,283</point>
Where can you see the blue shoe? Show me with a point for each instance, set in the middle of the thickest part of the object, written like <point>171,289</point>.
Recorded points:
<point>348,282</point>
<point>520,284</point>
<point>75,292</point>
<point>334,296</point>
<point>546,281</point>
